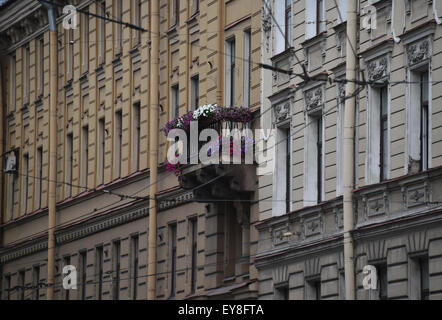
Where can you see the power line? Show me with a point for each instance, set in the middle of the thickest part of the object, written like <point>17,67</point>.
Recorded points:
<point>126,24</point>
<point>88,282</point>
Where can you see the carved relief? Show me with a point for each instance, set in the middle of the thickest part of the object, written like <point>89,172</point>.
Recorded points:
<point>313,227</point>
<point>282,112</point>
<point>377,69</point>
<point>313,99</point>
<point>418,52</point>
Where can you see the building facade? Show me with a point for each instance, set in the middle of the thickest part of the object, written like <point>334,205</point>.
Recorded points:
<point>103,172</point>
<point>398,150</point>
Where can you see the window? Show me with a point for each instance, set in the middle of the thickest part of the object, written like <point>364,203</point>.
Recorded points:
<point>247,68</point>
<point>419,278</point>
<point>25,183</point>
<point>419,120</point>
<point>320,158</point>
<point>313,289</point>
<point>232,245</point>
<point>134,267</point>
<point>85,157</point>
<point>315,17</point>
<point>173,258</point>
<point>69,163</point>
<point>119,33</point>
<point>39,177</point>
<point>195,6</point>
<point>424,121</point>
<point>195,99</point>
<point>174,13</point>
<point>230,72</point>
<point>83,273</point>
<point>7,293</point>
<point>136,136</point>
<point>282,292</point>
<point>40,66</point>
<point>424,278</point>
<point>26,68</point>
<point>288,23</point>
<point>314,160</point>
<point>378,135</point>
<point>12,178</point>
<point>342,14</point>
<point>341,285</point>
<point>118,142</point>
<point>382,281</point>
<point>70,54</point>
<point>12,83</point>
<point>175,102</point>
<point>282,185</point>
<point>21,284</point>
<point>99,271</point>
<point>383,149</point>
<point>340,149</point>
<point>36,281</point>
<point>66,262</point>
<point>102,32</point>
<point>194,244</point>
<point>101,150</point>
<point>85,42</point>
<point>116,256</point>
<point>137,20</point>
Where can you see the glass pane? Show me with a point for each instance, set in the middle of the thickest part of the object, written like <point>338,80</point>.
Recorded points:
<point>425,86</point>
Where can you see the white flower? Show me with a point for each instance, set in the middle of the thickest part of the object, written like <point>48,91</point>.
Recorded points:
<point>204,111</point>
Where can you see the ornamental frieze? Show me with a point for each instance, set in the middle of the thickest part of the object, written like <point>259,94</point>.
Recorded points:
<point>418,52</point>
<point>314,99</point>
<point>282,112</point>
<point>377,69</point>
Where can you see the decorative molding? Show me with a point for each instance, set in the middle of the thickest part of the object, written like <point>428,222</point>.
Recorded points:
<point>282,112</point>
<point>179,199</point>
<point>376,250</point>
<point>280,275</point>
<point>314,100</point>
<point>378,69</point>
<point>417,242</point>
<point>312,268</point>
<point>102,224</point>
<point>419,52</point>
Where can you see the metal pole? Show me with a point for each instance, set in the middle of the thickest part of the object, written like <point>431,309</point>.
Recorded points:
<point>350,104</point>
<point>153,150</point>
<point>220,67</point>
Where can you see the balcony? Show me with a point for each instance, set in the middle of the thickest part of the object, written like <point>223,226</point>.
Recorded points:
<point>221,166</point>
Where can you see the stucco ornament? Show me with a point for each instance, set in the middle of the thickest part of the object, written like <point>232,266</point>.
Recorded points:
<point>418,52</point>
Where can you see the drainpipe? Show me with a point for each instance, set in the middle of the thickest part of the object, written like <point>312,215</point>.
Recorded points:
<point>350,104</point>
<point>220,67</point>
<point>53,85</point>
<point>153,150</point>
<point>2,155</point>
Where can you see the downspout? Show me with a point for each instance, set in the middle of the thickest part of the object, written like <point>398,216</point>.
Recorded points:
<point>53,85</point>
<point>393,30</point>
<point>153,150</point>
<point>220,67</point>
<point>436,16</point>
<point>350,104</point>
<point>2,144</point>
